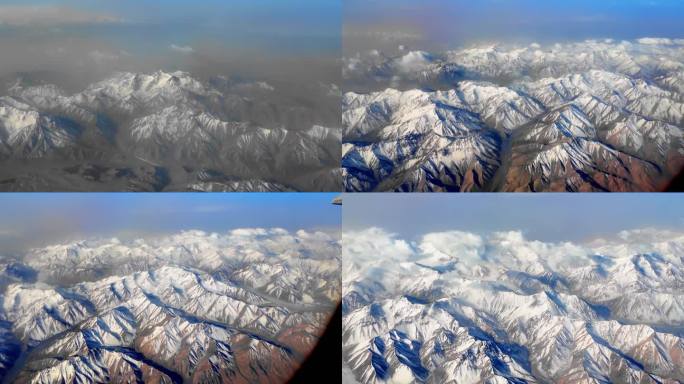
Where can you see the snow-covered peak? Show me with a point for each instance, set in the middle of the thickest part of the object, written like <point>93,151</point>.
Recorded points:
<point>131,92</point>
<point>320,133</point>
<point>26,133</point>
<point>586,116</point>
<point>16,116</point>
<point>127,84</point>
<point>175,123</point>
<point>181,307</point>
<point>468,308</point>
<point>133,131</point>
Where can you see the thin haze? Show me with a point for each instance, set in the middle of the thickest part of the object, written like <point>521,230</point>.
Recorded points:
<point>78,41</point>
<point>35,219</point>
<point>437,24</point>
<point>543,217</point>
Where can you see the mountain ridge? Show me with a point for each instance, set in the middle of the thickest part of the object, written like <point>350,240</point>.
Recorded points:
<point>588,125</point>
<point>177,124</point>
<point>151,310</point>
<point>501,308</point>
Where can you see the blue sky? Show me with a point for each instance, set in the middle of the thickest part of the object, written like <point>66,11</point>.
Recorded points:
<point>36,218</point>
<point>545,217</point>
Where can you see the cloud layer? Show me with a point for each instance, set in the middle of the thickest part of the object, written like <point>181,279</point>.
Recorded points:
<point>202,250</point>
<point>503,63</point>
<point>375,256</point>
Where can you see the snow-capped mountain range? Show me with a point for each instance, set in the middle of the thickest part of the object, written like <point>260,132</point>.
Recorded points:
<point>457,307</point>
<point>589,116</point>
<point>246,306</point>
<point>165,130</point>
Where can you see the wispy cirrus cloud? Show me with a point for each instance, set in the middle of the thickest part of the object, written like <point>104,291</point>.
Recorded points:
<point>47,15</point>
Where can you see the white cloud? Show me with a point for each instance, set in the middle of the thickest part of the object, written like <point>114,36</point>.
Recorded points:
<point>655,41</point>
<point>199,249</point>
<point>535,61</point>
<point>45,15</point>
<point>186,49</point>
<point>374,244</point>
<point>248,232</point>
<point>647,235</point>
<point>445,246</point>
<point>668,243</point>
<point>374,252</point>
<point>374,257</point>
<point>378,264</point>
<point>414,61</point>
<point>265,86</point>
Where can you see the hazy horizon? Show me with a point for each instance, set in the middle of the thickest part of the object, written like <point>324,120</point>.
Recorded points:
<point>34,220</point>
<point>544,217</point>
<point>437,25</point>
<point>76,42</point>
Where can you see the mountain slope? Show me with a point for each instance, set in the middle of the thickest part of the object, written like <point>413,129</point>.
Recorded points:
<point>173,123</point>
<point>190,307</point>
<point>561,118</point>
<point>461,308</point>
